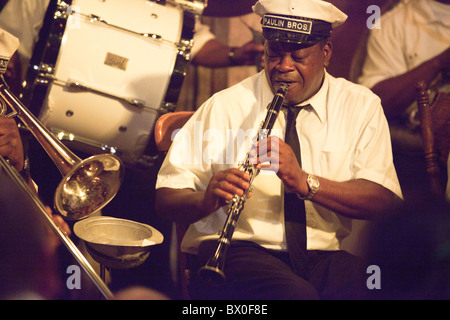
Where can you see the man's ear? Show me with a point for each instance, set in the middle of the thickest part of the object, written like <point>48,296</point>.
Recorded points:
<point>327,51</point>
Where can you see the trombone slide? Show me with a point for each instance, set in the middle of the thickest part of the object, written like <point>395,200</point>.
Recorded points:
<point>11,178</point>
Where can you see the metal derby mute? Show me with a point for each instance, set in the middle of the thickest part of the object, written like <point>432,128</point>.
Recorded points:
<point>87,185</point>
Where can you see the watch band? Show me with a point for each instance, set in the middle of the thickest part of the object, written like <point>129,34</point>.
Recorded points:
<point>232,58</point>
<point>25,172</point>
<point>313,187</point>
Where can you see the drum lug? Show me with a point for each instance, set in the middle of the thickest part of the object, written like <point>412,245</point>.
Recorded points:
<point>193,6</point>
<point>46,74</point>
<point>46,69</point>
<point>63,10</point>
<point>147,161</point>
<point>168,107</point>
<point>184,48</point>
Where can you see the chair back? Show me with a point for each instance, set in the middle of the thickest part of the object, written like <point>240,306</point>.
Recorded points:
<point>166,125</point>
<point>435,129</point>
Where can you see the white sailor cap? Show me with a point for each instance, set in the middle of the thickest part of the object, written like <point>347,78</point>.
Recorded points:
<point>8,45</point>
<point>298,21</point>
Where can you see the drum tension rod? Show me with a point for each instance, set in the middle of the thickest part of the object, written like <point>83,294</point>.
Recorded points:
<point>95,18</point>
<point>73,84</point>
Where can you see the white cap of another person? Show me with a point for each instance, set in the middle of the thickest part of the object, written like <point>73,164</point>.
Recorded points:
<point>298,21</point>
<point>8,45</point>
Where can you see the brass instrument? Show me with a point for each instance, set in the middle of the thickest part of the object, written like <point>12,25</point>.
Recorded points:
<point>88,185</point>
<point>213,270</point>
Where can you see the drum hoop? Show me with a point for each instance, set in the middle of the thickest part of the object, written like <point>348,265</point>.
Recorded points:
<point>34,93</point>
<point>182,61</point>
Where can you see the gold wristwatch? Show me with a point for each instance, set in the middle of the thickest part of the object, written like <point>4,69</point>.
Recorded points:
<point>313,186</point>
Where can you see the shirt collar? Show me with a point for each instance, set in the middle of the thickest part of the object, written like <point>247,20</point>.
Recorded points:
<point>318,101</point>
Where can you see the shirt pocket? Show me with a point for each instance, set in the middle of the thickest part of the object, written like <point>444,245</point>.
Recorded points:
<point>336,164</point>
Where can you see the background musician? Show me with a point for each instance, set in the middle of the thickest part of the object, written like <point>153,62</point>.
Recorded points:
<point>411,45</point>
<point>11,147</point>
<point>11,143</point>
<point>25,239</point>
<point>346,170</point>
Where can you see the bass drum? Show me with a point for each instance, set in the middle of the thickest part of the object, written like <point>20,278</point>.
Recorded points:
<point>104,71</point>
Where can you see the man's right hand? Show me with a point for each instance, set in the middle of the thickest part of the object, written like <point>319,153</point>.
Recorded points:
<point>223,186</point>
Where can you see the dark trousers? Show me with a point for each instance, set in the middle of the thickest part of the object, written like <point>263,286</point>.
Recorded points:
<point>255,273</point>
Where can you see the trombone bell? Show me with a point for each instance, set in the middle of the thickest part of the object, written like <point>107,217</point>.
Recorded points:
<point>88,187</point>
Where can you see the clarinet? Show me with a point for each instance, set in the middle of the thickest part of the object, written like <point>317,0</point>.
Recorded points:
<point>212,271</point>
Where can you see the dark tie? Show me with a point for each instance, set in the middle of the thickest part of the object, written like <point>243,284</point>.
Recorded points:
<point>294,208</point>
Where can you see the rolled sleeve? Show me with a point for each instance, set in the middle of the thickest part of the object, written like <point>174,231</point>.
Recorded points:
<point>373,157</point>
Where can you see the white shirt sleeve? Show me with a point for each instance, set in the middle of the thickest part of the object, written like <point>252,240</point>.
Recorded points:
<point>24,20</point>
<point>373,158</point>
<point>385,52</point>
<point>201,36</point>
<point>184,166</point>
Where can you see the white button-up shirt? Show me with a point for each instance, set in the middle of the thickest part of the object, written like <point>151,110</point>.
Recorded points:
<point>343,136</point>
<point>410,34</point>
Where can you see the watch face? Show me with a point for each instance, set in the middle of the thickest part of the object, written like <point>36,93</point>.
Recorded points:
<point>313,182</point>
